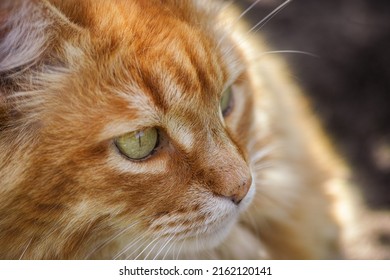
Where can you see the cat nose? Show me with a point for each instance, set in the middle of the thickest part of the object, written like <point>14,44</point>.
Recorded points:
<point>241,191</point>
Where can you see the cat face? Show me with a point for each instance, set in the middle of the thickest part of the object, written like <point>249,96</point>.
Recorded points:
<point>124,129</point>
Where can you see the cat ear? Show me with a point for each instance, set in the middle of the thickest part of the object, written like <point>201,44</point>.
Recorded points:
<point>29,32</point>
<point>22,34</point>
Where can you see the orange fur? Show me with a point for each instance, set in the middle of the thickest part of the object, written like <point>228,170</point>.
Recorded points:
<point>91,71</point>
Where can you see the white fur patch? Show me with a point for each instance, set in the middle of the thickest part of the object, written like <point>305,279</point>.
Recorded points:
<point>181,133</point>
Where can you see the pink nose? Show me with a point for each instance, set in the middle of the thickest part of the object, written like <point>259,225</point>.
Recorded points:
<point>241,191</point>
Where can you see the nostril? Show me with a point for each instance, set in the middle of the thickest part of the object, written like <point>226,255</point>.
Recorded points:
<point>236,200</point>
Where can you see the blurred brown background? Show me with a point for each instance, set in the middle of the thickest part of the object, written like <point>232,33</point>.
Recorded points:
<point>349,82</point>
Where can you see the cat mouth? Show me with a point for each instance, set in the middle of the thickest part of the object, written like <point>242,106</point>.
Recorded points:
<point>203,227</point>
<point>211,236</point>
<point>193,240</point>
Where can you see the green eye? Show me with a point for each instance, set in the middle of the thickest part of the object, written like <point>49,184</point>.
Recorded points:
<point>139,144</point>
<point>226,101</point>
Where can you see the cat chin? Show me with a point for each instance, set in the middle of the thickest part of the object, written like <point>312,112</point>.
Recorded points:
<point>193,246</point>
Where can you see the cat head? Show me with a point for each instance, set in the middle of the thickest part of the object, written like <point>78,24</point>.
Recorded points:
<point>124,128</point>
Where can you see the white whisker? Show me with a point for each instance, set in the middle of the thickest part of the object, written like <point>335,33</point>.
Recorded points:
<point>128,247</point>
<point>180,248</point>
<point>263,166</point>
<point>152,249</point>
<point>238,19</point>
<point>288,52</point>
<point>109,240</point>
<point>197,242</point>
<point>173,246</point>
<point>264,21</point>
<point>172,235</point>
<point>257,27</point>
<point>247,10</point>
<point>25,249</point>
<point>262,153</point>
<point>146,247</point>
<point>169,240</point>
<point>162,247</point>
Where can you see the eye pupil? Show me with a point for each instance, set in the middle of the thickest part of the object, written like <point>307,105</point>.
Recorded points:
<point>138,145</point>
<point>226,102</point>
<point>139,137</point>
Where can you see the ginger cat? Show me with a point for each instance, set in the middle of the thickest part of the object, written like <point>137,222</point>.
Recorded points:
<point>142,129</point>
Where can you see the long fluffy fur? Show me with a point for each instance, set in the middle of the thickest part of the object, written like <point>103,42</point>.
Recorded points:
<point>76,75</point>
